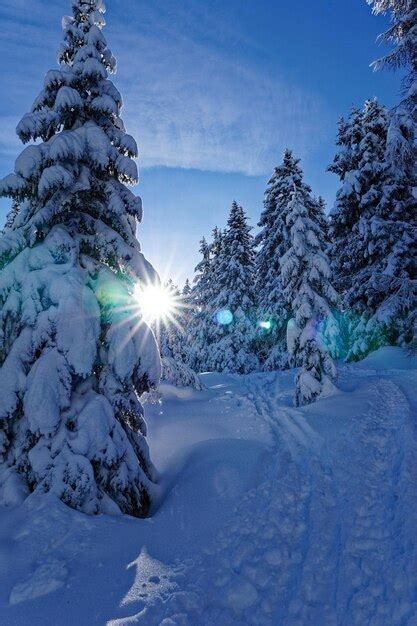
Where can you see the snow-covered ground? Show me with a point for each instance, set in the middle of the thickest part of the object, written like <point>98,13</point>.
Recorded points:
<point>268,515</point>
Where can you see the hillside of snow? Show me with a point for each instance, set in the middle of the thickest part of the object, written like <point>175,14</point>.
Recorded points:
<point>268,515</point>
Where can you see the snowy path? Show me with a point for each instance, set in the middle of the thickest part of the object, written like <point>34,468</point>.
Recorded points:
<point>275,516</point>
<point>328,537</point>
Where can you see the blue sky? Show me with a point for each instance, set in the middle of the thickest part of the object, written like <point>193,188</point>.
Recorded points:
<point>214,91</point>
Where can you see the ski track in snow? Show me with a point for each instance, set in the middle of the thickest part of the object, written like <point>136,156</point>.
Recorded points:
<point>328,536</point>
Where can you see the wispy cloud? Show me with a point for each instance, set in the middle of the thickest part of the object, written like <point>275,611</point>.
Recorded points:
<point>195,96</point>
<point>194,101</point>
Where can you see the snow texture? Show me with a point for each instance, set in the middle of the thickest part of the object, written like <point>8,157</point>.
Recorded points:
<point>268,514</point>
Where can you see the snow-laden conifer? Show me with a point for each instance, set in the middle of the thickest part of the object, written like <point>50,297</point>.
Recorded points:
<point>310,296</point>
<point>197,332</point>
<point>344,213</point>
<point>186,290</point>
<point>172,334</point>
<point>232,330</point>
<point>272,245</point>
<point>75,355</point>
<point>373,235</point>
<point>402,34</point>
<point>401,155</point>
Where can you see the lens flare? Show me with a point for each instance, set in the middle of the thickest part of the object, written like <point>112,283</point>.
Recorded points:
<point>156,302</point>
<point>224,317</point>
<point>265,325</point>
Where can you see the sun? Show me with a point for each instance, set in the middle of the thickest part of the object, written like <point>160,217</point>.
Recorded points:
<point>156,303</point>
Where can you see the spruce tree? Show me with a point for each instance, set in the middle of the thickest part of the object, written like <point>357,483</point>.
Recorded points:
<point>172,333</point>
<point>272,245</point>
<point>401,156</point>
<point>217,262</point>
<point>319,215</point>
<point>186,290</point>
<point>345,211</point>
<point>169,330</point>
<point>231,342</point>
<point>402,35</point>
<point>372,230</point>
<point>199,300</point>
<point>310,298</point>
<point>75,355</point>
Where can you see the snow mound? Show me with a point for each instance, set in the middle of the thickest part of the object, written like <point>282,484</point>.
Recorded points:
<point>46,578</point>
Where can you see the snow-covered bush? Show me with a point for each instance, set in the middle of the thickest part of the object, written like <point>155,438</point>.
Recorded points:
<point>75,355</point>
<point>179,374</point>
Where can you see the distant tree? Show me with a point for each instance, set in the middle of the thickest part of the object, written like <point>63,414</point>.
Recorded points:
<point>172,333</point>
<point>310,298</point>
<point>186,291</point>
<point>218,259</point>
<point>272,244</point>
<point>169,330</point>
<point>199,324</point>
<point>230,348</point>
<point>75,355</point>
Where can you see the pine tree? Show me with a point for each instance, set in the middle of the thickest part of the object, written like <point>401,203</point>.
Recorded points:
<point>401,155</point>
<point>272,245</point>
<point>199,299</point>
<point>230,347</point>
<point>371,230</point>
<point>310,297</point>
<point>403,35</point>
<point>169,331</point>
<point>75,355</point>
<point>348,140</point>
<point>186,290</point>
<point>319,215</point>
<point>345,212</point>
<point>217,263</point>
<point>172,334</point>
<point>202,286</point>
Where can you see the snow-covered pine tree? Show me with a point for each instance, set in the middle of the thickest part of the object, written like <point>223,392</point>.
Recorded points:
<point>385,238</point>
<point>401,154</point>
<point>217,261</point>
<point>319,215</point>
<point>401,141</point>
<point>169,331</point>
<point>345,211</point>
<point>231,344</point>
<point>186,290</point>
<point>202,286</point>
<point>75,355</point>
<point>186,313</point>
<point>310,298</point>
<point>334,328</point>
<point>199,299</point>
<point>172,334</point>
<point>372,231</point>
<point>348,139</point>
<point>272,245</point>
